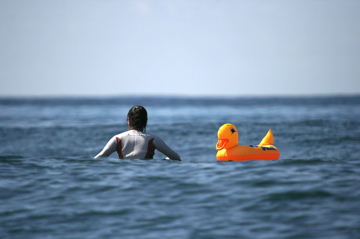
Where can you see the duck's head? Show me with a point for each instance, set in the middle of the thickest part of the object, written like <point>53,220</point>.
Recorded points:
<point>227,137</point>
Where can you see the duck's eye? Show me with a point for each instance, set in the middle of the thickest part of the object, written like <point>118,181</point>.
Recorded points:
<point>232,130</point>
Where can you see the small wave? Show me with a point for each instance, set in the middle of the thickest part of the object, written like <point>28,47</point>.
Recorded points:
<point>297,195</point>
<point>314,161</point>
<point>10,157</point>
<point>112,211</point>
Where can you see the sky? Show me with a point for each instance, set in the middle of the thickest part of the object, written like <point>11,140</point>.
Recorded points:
<point>179,47</point>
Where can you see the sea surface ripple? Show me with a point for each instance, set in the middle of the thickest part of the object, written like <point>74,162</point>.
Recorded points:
<point>51,187</point>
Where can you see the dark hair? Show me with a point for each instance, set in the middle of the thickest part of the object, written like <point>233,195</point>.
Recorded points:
<point>137,118</point>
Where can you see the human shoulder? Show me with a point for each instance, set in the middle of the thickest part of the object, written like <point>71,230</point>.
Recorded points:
<point>122,134</point>
<point>151,135</point>
<point>136,133</point>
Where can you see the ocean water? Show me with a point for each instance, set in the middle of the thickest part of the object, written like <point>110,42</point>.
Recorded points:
<point>51,187</point>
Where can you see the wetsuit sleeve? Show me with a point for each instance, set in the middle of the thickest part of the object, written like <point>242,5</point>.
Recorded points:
<point>109,148</point>
<point>163,148</point>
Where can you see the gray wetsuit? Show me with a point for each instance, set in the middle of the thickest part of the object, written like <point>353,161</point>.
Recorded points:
<point>135,144</point>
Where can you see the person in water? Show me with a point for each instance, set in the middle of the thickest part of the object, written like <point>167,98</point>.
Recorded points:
<point>136,143</point>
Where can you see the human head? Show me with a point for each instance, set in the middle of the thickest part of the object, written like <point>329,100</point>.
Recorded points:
<point>137,118</point>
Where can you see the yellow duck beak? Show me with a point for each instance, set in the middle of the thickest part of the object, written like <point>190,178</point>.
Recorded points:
<point>221,144</point>
<point>228,137</point>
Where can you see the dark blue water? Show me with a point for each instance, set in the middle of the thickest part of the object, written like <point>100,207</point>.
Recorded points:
<point>51,187</point>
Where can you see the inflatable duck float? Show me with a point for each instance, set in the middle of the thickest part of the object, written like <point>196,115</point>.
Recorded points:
<point>229,149</point>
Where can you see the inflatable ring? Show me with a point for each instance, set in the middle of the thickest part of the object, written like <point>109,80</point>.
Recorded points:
<point>229,150</point>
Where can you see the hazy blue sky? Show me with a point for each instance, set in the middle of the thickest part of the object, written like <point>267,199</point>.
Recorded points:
<point>174,47</point>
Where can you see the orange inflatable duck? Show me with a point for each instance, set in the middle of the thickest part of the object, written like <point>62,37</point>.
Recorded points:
<point>229,150</point>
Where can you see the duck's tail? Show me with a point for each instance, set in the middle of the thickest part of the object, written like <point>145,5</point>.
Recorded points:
<point>268,139</point>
